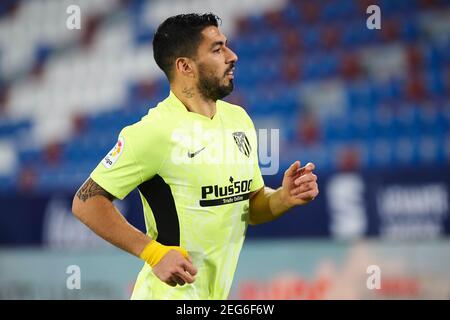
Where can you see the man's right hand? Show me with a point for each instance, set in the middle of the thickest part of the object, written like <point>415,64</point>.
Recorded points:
<point>175,269</point>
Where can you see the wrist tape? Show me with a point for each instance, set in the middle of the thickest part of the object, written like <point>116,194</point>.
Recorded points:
<point>155,251</point>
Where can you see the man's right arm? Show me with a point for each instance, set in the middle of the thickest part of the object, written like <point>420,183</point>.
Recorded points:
<point>93,206</point>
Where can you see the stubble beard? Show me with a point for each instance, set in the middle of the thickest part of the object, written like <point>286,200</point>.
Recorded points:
<point>210,87</point>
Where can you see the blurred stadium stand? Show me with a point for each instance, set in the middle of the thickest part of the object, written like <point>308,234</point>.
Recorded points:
<point>371,108</point>
<point>348,98</point>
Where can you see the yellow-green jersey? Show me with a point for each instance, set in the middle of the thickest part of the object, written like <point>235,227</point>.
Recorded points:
<point>194,175</point>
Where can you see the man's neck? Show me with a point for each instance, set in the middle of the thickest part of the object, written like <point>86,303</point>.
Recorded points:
<point>194,101</point>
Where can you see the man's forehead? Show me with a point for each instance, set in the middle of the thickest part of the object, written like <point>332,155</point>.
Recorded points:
<point>213,34</point>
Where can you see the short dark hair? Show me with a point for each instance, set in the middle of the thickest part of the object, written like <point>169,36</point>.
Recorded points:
<point>179,36</point>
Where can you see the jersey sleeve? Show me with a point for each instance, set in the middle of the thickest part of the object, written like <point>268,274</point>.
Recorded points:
<point>134,159</point>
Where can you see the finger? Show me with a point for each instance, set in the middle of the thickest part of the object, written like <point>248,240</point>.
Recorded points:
<point>310,166</point>
<point>292,170</point>
<point>171,282</point>
<point>185,276</point>
<point>179,280</point>
<point>307,169</point>
<point>189,267</point>
<point>303,188</point>
<point>305,179</point>
<point>308,195</point>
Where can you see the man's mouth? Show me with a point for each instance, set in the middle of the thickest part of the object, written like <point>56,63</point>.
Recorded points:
<point>230,73</point>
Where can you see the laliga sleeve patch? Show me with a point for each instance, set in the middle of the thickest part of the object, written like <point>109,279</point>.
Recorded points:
<point>114,154</point>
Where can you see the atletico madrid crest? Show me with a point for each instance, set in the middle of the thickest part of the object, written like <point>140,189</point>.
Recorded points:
<point>242,142</point>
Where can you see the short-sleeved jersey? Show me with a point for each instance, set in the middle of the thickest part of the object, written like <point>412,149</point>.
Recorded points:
<point>194,175</point>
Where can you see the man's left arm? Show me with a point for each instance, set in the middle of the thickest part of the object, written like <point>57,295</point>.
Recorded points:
<point>299,187</point>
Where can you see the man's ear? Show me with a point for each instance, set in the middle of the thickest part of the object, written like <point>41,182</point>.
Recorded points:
<point>185,66</point>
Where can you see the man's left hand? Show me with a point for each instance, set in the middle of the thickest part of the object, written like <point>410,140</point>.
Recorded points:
<point>299,184</point>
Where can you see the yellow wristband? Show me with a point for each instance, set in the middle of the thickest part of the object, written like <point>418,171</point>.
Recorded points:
<point>155,251</point>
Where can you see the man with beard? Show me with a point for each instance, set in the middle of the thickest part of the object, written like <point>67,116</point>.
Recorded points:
<point>197,203</point>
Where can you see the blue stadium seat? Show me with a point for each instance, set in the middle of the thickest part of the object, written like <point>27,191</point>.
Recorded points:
<point>379,120</point>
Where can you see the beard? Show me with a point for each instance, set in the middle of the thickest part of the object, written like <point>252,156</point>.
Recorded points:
<point>210,86</point>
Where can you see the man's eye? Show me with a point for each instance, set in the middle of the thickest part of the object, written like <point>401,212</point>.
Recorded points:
<point>217,50</point>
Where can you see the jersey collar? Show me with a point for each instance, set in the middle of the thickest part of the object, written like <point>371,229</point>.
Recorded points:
<point>173,101</point>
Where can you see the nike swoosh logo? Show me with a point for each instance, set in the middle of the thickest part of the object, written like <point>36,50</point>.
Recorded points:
<point>193,154</point>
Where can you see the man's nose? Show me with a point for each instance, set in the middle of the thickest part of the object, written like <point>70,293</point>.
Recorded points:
<point>232,57</point>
